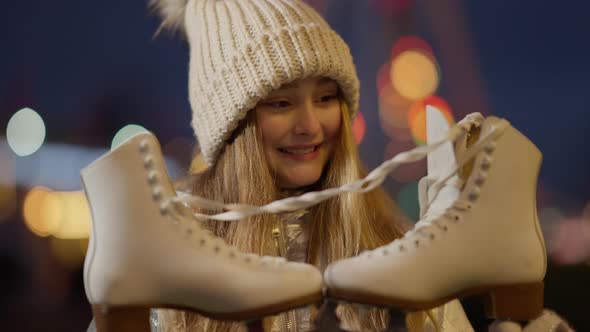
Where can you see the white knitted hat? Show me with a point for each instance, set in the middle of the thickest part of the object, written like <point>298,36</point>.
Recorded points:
<point>241,50</point>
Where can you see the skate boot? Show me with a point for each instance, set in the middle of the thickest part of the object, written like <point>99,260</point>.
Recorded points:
<point>147,252</point>
<point>479,235</point>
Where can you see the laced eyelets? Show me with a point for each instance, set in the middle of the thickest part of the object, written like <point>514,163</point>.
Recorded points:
<point>163,209</point>
<point>157,193</point>
<point>479,180</point>
<point>148,162</point>
<point>417,243</point>
<point>152,177</point>
<point>490,147</point>
<point>401,247</point>
<point>486,163</point>
<point>143,146</point>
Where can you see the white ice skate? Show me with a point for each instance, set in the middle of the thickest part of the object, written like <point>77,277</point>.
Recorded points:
<point>144,252</point>
<point>479,234</point>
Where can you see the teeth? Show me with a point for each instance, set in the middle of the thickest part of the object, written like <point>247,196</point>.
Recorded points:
<point>299,151</point>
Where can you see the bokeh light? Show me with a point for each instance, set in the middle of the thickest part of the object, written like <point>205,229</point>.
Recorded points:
<point>414,74</point>
<point>25,132</point>
<point>64,215</point>
<point>359,127</point>
<point>126,133</point>
<point>76,217</point>
<point>406,172</point>
<point>417,116</point>
<point>42,211</point>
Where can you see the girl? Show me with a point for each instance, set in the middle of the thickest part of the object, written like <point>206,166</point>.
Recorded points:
<point>273,90</point>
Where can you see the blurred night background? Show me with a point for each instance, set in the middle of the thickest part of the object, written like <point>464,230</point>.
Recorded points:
<point>77,77</point>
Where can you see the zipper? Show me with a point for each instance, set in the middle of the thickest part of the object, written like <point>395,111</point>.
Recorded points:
<point>278,235</point>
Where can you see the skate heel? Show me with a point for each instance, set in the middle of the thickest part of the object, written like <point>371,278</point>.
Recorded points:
<point>519,302</point>
<point>121,319</point>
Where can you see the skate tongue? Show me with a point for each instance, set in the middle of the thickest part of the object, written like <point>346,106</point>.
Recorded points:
<point>439,162</point>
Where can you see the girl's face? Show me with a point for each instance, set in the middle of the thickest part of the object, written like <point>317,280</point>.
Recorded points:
<point>300,123</point>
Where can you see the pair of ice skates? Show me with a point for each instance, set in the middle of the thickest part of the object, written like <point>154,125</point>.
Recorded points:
<point>478,235</point>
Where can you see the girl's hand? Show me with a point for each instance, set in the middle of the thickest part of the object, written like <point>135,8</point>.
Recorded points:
<point>548,321</point>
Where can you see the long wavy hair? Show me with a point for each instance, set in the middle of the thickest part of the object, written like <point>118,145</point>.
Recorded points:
<point>340,227</point>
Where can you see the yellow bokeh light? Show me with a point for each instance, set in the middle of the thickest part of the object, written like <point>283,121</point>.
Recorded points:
<point>414,74</point>
<point>42,211</point>
<point>76,220</point>
<point>65,215</point>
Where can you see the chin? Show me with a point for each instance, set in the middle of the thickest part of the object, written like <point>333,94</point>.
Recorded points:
<point>294,182</point>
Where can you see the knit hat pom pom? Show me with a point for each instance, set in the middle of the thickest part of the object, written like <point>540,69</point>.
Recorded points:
<point>171,12</point>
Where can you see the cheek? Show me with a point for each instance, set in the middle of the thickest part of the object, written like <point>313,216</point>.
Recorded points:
<point>267,129</point>
<point>332,124</point>
<point>272,131</point>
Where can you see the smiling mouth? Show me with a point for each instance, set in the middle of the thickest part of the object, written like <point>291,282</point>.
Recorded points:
<point>300,151</point>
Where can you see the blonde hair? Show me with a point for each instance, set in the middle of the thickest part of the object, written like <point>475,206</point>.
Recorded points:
<point>339,227</point>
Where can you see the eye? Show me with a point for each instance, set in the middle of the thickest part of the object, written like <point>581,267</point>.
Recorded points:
<point>279,104</point>
<point>327,98</point>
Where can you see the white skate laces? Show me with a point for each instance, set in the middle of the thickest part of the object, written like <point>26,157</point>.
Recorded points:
<point>372,180</point>
<point>440,213</point>
<point>179,211</point>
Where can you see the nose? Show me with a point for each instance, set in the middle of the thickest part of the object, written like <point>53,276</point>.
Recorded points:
<point>307,122</point>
